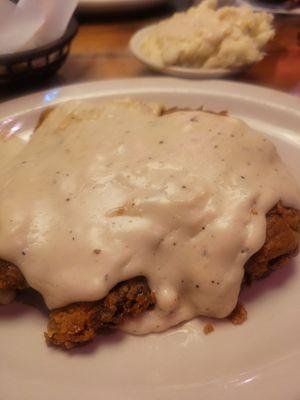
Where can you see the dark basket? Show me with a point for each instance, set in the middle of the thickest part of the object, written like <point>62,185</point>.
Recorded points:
<point>37,63</point>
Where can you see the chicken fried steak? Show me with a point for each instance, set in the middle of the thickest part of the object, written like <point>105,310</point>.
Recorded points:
<point>80,322</point>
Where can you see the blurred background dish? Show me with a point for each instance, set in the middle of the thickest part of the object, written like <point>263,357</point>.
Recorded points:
<point>288,7</point>
<point>100,50</point>
<point>116,5</point>
<point>274,7</point>
<point>205,41</point>
<point>41,62</point>
<point>178,71</point>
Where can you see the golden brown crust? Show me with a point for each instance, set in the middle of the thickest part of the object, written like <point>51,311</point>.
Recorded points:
<point>79,323</point>
<point>239,315</point>
<point>281,244</point>
<point>208,328</point>
<point>170,110</point>
<point>44,115</point>
<point>11,277</point>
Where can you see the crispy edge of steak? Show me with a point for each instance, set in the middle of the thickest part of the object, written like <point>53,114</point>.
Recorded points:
<point>11,277</point>
<point>80,322</point>
<point>281,243</point>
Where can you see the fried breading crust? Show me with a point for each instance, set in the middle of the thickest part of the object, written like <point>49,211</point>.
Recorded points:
<point>11,277</point>
<point>281,244</point>
<point>80,322</point>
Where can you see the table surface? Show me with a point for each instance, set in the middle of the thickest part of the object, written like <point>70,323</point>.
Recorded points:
<point>100,51</point>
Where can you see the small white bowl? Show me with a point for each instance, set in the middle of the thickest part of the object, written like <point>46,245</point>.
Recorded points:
<point>181,72</point>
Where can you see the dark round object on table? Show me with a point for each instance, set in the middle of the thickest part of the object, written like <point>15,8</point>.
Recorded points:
<point>37,63</point>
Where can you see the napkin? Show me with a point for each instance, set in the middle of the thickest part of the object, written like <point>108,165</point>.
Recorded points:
<point>27,24</point>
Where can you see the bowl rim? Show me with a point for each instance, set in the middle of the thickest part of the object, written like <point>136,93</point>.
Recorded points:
<point>21,56</point>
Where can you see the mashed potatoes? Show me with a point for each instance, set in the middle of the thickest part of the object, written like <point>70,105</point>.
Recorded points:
<point>209,38</point>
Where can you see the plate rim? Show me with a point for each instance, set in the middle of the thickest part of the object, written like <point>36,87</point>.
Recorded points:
<point>58,94</point>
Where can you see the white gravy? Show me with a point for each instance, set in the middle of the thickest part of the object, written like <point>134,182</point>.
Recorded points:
<point>101,194</point>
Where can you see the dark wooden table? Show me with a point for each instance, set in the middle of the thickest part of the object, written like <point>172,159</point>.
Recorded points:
<point>100,51</point>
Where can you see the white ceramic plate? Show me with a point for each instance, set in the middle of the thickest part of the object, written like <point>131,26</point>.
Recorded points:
<point>271,7</point>
<point>116,5</point>
<point>257,360</point>
<point>180,72</point>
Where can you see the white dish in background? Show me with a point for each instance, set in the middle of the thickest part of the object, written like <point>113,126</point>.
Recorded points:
<point>259,359</point>
<point>181,72</point>
<point>258,5</point>
<point>269,7</point>
<point>116,5</point>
